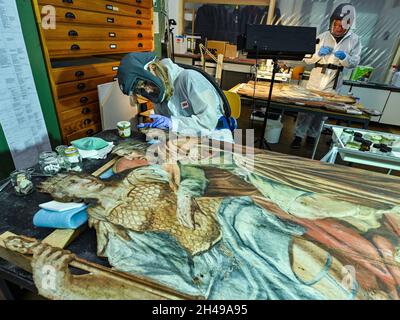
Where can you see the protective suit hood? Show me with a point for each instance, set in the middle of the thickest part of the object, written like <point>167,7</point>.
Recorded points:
<point>173,69</point>
<point>346,13</point>
<point>132,71</point>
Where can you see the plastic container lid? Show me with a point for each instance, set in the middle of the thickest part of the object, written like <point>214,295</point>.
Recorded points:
<point>71,152</point>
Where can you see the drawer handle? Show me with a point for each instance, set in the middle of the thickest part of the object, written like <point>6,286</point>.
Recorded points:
<point>138,11</point>
<point>90,132</point>
<point>87,121</point>
<point>75,47</point>
<point>140,45</point>
<point>70,15</point>
<point>68,1</point>
<point>138,1</point>
<point>140,36</point>
<point>81,86</point>
<point>139,23</point>
<point>110,20</point>
<point>84,100</point>
<point>79,74</point>
<point>86,111</point>
<point>73,33</point>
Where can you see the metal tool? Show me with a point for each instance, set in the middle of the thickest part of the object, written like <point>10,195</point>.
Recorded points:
<point>5,185</point>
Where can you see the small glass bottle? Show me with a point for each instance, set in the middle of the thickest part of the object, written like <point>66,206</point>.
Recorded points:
<point>49,163</point>
<point>347,136</point>
<point>61,156</point>
<point>22,182</point>
<point>73,159</point>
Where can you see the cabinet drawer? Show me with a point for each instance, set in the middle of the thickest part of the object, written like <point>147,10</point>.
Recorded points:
<point>58,48</point>
<point>138,3</point>
<point>78,100</point>
<point>80,32</point>
<point>66,74</point>
<point>73,16</point>
<point>87,132</point>
<point>75,113</point>
<point>81,123</point>
<point>77,87</point>
<point>103,6</point>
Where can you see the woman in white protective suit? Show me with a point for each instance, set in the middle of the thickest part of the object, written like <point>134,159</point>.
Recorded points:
<point>184,101</point>
<point>336,49</point>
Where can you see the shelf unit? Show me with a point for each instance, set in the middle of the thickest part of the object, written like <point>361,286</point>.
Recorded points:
<point>85,50</point>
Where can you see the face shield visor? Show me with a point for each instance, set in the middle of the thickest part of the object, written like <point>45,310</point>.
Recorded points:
<point>148,90</point>
<point>342,20</point>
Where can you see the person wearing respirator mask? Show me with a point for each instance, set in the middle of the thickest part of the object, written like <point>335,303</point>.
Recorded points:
<point>184,100</point>
<point>336,49</point>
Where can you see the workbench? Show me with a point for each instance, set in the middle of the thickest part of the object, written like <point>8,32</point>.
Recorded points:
<point>364,119</point>
<point>338,182</point>
<point>18,215</point>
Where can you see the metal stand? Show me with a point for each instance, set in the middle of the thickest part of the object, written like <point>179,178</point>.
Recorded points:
<point>263,142</point>
<point>321,128</point>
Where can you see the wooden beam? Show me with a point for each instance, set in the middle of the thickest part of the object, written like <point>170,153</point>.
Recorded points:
<point>271,11</point>
<point>62,238</point>
<point>121,285</point>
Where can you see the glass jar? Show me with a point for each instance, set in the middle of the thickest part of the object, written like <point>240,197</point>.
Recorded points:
<point>49,163</point>
<point>124,129</point>
<point>22,182</point>
<point>73,159</point>
<point>61,156</point>
<point>347,136</point>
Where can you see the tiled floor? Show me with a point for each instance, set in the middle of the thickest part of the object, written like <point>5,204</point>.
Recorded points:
<point>306,150</point>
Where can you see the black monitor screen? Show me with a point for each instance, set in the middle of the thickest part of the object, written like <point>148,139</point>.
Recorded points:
<point>282,42</point>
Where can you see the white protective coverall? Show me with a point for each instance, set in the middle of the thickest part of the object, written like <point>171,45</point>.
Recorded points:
<point>309,124</point>
<point>195,106</point>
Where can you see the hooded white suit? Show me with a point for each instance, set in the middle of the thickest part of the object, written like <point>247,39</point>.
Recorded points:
<point>195,106</point>
<point>325,79</point>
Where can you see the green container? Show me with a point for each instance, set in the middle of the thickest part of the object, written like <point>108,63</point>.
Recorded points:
<point>362,73</point>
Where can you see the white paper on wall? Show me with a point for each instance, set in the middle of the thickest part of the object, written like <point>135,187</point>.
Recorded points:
<point>21,116</point>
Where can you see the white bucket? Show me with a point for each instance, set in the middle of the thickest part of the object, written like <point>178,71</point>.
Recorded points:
<point>273,131</point>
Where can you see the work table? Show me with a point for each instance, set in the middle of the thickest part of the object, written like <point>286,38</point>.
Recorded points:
<point>372,85</point>
<point>338,182</point>
<point>18,212</point>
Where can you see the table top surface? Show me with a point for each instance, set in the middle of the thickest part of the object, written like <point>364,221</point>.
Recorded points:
<point>237,60</point>
<point>17,213</point>
<point>297,107</point>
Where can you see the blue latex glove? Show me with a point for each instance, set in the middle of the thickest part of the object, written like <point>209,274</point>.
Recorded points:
<point>340,55</point>
<point>324,51</point>
<point>159,122</point>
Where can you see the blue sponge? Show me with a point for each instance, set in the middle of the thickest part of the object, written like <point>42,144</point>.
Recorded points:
<point>71,219</point>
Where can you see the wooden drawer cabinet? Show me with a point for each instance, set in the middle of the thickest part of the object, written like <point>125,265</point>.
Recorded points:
<point>139,3</point>
<point>81,123</point>
<point>78,100</point>
<point>103,6</point>
<point>84,51</point>
<point>80,32</point>
<point>66,74</point>
<point>76,87</point>
<point>58,48</point>
<point>87,132</point>
<point>76,113</point>
<point>76,16</point>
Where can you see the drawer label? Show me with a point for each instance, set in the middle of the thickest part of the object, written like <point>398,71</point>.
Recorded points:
<point>112,34</point>
<point>113,46</point>
<point>112,8</point>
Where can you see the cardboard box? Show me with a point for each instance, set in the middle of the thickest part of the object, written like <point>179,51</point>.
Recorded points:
<point>231,51</point>
<point>216,47</point>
